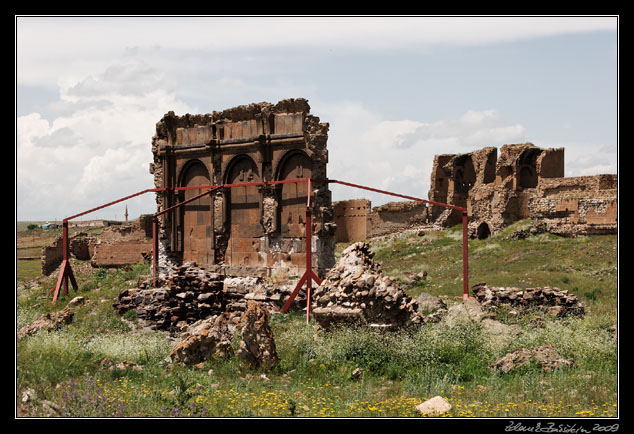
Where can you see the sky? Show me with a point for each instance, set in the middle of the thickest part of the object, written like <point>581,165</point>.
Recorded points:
<point>396,91</point>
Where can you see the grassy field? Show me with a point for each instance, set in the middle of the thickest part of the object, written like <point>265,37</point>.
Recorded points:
<point>67,373</point>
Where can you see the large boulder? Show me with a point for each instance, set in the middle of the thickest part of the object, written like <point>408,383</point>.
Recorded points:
<point>204,339</point>
<point>257,346</point>
<point>434,406</point>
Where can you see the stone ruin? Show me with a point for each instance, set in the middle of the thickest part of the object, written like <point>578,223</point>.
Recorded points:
<point>191,293</point>
<point>257,230</point>
<point>116,246</point>
<point>524,182</point>
<point>554,301</point>
<point>356,290</point>
<point>219,253</point>
<point>212,337</point>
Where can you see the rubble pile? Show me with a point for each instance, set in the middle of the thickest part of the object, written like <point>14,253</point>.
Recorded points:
<point>355,290</point>
<point>50,321</point>
<point>555,301</point>
<point>545,356</point>
<point>534,229</point>
<point>239,290</point>
<point>191,293</point>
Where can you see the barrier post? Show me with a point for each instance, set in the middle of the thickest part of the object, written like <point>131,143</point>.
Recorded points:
<point>65,271</point>
<point>465,257</point>
<point>155,251</point>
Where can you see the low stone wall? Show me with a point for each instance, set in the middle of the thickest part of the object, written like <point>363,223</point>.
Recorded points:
<point>555,301</point>
<point>357,221</point>
<point>397,216</point>
<point>190,294</point>
<point>122,253</point>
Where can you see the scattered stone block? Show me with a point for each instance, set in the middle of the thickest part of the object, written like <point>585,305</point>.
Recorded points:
<point>50,321</point>
<point>434,406</point>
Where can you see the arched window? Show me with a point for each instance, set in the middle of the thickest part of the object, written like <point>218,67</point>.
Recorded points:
<point>528,168</point>
<point>528,177</point>
<point>483,231</point>
<point>465,175</point>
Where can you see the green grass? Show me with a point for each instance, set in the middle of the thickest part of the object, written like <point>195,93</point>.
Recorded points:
<point>398,370</point>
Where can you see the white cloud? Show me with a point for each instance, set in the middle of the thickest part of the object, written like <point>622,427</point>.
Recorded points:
<point>48,47</point>
<point>92,154</point>
<point>584,159</point>
<point>397,156</point>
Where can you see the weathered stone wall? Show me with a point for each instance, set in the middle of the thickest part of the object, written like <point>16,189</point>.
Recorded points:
<point>249,230</point>
<point>191,293</point>
<point>80,246</point>
<point>116,246</point>
<point>351,217</point>
<point>584,205</point>
<point>357,220</point>
<point>397,216</point>
<point>122,245</point>
<point>52,256</point>
<point>525,181</point>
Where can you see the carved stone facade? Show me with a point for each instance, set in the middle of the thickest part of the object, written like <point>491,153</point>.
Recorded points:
<point>256,230</point>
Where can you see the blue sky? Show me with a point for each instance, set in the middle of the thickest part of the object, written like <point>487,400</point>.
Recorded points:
<point>395,90</point>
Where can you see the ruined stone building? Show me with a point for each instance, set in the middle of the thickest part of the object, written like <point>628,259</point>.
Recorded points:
<point>118,245</point>
<point>523,182</point>
<point>256,230</point>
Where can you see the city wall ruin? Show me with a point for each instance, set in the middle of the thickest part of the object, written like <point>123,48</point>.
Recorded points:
<point>524,182</point>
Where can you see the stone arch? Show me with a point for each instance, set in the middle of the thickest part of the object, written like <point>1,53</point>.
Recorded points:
<point>196,215</point>
<point>292,196</point>
<point>484,231</point>
<point>243,212</point>
<point>528,168</point>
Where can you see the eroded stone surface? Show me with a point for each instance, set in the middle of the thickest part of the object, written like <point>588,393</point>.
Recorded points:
<point>204,339</point>
<point>257,346</point>
<point>356,290</point>
<point>50,321</point>
<point>545,356</point>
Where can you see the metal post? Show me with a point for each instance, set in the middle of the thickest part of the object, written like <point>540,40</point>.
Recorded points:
<point>309,262</point>
<point>155,251</point>
<point>65,253</point>
<point>65,271</point>
<point>465,257</point>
